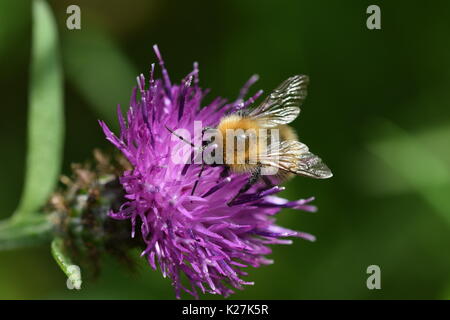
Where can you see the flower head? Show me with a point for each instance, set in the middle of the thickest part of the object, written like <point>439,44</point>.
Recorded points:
<point>197,235</point>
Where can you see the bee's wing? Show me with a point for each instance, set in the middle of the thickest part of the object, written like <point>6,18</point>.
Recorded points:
<point>282,106</point>
<point>294,156</point>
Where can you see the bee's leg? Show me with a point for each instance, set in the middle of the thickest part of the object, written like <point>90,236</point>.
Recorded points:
<point>267,181</point>
<point>225,172</point>
<point>251,181</point>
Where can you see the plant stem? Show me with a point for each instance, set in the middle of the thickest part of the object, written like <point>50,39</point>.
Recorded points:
<point>71,270</point>
<point>33,231</point>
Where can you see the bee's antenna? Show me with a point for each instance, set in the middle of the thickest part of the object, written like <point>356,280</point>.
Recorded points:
<point>203,164</point>
<point>180,137</point>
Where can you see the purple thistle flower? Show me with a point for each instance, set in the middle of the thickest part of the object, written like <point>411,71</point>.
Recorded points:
<point>197,235</point>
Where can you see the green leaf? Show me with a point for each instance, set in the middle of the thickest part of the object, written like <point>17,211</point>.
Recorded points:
<point>31,232</point>
<point>423,170</point>
<point>45,119</point>
<point>101,72</point>
<point>65,263</point>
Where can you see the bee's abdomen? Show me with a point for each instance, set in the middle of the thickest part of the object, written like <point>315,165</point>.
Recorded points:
<point>287,133</point>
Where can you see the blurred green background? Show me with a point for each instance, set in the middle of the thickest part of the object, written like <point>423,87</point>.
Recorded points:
<point>377,113</point>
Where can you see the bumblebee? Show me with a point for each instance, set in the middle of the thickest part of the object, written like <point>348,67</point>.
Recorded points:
<point>253,128</point>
